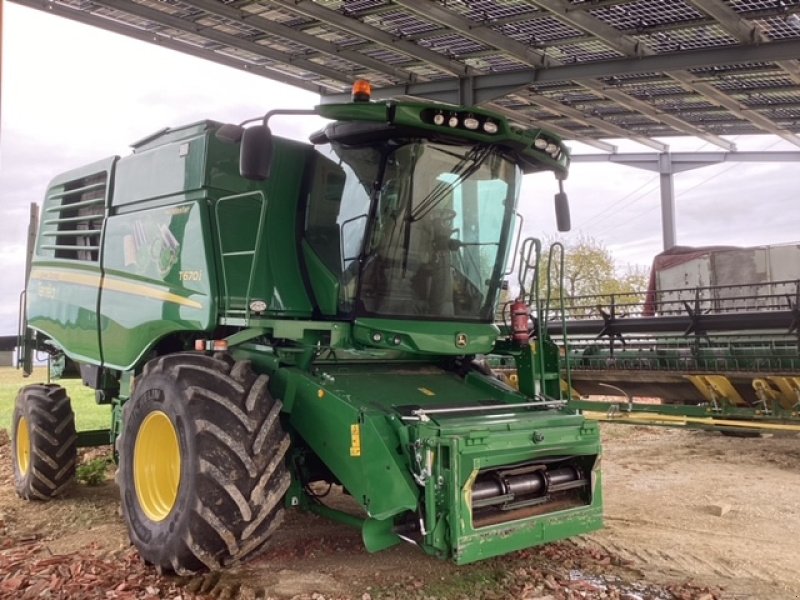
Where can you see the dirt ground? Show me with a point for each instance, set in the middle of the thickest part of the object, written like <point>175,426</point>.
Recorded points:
<point>689,515</point>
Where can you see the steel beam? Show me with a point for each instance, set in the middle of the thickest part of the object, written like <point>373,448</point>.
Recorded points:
<point>575,16</point>
<point>538,59</point>
<point>747,33</point>
<point>166,20</point>
<point>477,31</point>
<point>612,130</point>
<point>258,22</point>
<point>314,10</point>
<point>727,18</point>
<point>655,114</point>
<point>508,81</point>
<point>684,161</point>
<point>87,18</point>
<point>519,116</point>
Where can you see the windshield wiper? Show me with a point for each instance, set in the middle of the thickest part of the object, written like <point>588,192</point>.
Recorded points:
<point>470,163</point>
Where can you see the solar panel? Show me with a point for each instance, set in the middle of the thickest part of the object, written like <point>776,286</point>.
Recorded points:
<point>590,67</point>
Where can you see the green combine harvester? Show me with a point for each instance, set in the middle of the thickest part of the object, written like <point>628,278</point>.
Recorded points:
<point>267,317</point>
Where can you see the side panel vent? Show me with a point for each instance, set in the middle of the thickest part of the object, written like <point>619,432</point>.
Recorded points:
<point>74,217</point>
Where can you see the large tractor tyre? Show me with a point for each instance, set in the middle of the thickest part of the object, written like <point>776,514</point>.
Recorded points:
<point>202,469</point>
<point>43,428</point>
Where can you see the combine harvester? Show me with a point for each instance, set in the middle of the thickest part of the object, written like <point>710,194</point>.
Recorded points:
<point>262,315</point>
<point>716,338</point>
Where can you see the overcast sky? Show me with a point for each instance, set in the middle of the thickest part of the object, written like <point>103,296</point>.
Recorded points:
<point>72,94</point>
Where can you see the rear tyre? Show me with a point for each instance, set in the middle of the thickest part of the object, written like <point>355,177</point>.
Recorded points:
<point>202,469</point>
<point>44,450</point>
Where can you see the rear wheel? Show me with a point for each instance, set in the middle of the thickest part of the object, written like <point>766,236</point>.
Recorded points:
<point>45,454</point>
<point>202,462</point>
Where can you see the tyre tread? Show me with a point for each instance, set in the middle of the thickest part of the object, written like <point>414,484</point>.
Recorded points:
<point>53,456</point>
<point>240,477</point>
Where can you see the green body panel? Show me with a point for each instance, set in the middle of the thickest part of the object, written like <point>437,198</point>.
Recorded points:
<point>473,444</point>
<point>427,337</point>
<point>278,277</point>
<point>63,289</point>
<point>376,464</point>
<point>159,278</point>
<point>324,409</point>
<point>62,302</point>
<point>256,235</point>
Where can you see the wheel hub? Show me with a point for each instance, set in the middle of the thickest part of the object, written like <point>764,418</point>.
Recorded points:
<point>23,445</point>
<point>156,465</point>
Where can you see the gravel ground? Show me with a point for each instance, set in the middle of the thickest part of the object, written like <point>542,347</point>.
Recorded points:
<point>690,516</point>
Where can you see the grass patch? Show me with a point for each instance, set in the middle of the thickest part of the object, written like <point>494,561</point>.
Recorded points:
<point>92,472</point>
<point>88,414</point>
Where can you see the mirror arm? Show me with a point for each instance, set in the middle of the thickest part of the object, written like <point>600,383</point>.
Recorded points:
<point>283,111</point>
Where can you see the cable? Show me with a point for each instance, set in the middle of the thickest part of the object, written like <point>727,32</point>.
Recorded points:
<point>604,214</point>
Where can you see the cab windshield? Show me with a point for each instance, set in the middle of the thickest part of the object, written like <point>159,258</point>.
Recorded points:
<point>437,242</point>
<point>413,229</point>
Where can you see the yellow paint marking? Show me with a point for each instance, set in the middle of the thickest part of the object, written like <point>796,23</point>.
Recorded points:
<point>426,391</point>
<point>88,279</point>
<point>137,289</point>
<point>355,439</point>
<point>716,389</point>
<point>112,284</point>
<point>682,421</point>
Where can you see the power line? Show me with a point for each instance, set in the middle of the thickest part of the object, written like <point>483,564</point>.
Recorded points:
<point>604,214</point>
<point>682,194</point>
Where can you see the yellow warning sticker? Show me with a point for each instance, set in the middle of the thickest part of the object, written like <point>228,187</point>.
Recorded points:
<point>426,391</point>
<point>355,439</point>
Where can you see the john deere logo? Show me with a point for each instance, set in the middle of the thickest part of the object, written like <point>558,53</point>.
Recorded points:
<point>461,340</point>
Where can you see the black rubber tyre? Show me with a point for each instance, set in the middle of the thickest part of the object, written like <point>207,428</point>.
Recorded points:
<point>43,447</point>
<point>225,497</point>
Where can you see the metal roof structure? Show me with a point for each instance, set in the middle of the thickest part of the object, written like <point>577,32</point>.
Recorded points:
<point>586,69</point>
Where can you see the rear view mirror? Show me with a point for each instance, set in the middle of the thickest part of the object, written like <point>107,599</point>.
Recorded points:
<point>255,155</point>
<point>563,220</point>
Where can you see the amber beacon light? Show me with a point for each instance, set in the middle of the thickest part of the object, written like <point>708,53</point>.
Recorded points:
<point>362,90</point>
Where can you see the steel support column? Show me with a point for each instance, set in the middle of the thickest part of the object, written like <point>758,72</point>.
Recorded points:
<point>666,173</point>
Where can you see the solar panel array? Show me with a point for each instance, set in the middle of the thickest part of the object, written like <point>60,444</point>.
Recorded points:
<point>324,45</point>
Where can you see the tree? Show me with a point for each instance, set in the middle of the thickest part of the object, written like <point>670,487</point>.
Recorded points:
<point>592,280</point>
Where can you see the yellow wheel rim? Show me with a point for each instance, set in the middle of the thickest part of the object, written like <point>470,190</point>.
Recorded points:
<point>23,445</point>
<point>157,465</point>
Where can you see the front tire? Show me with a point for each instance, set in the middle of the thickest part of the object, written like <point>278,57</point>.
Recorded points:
<point>202,469</point>
<point>44,449</point>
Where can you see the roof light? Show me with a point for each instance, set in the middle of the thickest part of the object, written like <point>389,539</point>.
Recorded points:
<point>438,119</point>
<point>551,149</point>
<point>490,127</point>
<point>362,90</point>
<point>258,306</point>
<point>471,123</point>
<point>453,121</point>
<point>540,143</point>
